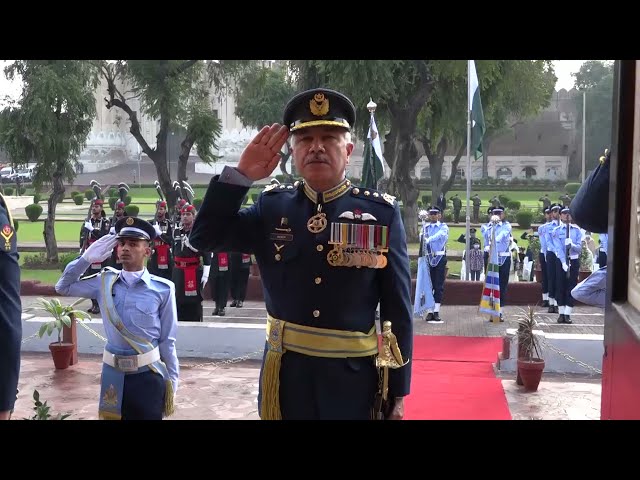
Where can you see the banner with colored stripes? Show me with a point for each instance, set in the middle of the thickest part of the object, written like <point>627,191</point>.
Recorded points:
<point>490,301</point>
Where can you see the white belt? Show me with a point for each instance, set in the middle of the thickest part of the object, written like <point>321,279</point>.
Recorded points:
<point>486,249</point>
<point>603,250</point>
<point>131,363</point>
<point>441,252</point>
<point>504,254</point>
<point>574,257</point>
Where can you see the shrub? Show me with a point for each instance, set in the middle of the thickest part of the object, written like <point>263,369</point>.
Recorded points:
<point>132,210</point>
<point>197,202</point>
<point>524,218</point>
<point>33,211</point>
<point>514,205</point>
<point>78,199</point>
<point>37,198</point>
<point>88,194</point>
<point>8,190</point>
<point>572,188</point>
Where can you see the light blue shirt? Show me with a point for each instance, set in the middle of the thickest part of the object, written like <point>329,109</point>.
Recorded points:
<point>604,242</point>
<point>503,234</point>
<point>542,235</point>
<point>548,231</point>
<point>559,235</point>
<point>593,289</point>
<point>147,308</point>
<point>485,229</point>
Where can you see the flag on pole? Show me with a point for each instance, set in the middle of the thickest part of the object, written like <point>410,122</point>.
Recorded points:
<point>477,117</point>
<point>373,165</point>
<point>490,302</point>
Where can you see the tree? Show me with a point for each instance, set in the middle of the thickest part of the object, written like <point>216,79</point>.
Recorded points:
<point>595,78</point>
<point>49,125</point>
<point>176,93</point>
<point>261,96</point>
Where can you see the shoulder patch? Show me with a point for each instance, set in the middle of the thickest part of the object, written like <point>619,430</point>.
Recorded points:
<point>373,195</point>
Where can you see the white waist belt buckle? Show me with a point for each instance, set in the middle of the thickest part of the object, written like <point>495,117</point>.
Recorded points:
<point>130,363</point>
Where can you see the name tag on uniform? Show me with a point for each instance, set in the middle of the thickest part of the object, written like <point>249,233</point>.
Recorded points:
<point>282,237</point>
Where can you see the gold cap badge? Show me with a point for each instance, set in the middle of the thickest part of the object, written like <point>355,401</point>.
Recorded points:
<point>319,105</point>
<point>130,221</point>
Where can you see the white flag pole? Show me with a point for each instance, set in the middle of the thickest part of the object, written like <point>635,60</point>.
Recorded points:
<point>467,242</point>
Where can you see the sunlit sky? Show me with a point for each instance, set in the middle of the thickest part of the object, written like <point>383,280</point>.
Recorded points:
<point>563,69</point>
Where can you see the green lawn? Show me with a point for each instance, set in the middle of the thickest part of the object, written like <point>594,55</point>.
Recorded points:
<point>65,231</point>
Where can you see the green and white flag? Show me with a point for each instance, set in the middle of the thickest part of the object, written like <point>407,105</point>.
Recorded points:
<point>477,117</point>
<point>373,165</point>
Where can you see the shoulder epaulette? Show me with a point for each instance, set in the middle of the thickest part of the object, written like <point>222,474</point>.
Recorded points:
<point>283,187</point>
<point>110,269</point>
<point>157,278</point>
<point>90,276</point>
<point>374,195</point>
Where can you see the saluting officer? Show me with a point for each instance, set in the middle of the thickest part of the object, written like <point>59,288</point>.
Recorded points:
<point>309,239</point>
<point>10,313</point>
<point>161,260</point>
<point>552,257</point>
<point>140,367</point>
<point>542,235</point>
<point>503,244</point>
<point>568,248</point>
<point>92,230</point>
<point>434,237</point>
<point>189,275</point>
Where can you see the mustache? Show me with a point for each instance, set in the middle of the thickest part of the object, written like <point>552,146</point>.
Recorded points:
<point>316,157</point>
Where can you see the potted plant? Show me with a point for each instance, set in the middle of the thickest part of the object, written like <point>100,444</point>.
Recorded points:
<point>530,361</point>
<point>586,262</point>
<point>61,352</point>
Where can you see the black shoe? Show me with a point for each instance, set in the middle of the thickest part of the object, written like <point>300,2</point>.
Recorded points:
<point>221,312</point>
<point>555,309</point>
<point>215,312</point>
<point>436,317</point>
<point>234,303</point>
<point>429,317</point>
<point>561,318</point>
<point>545,303</point>
<point>239,304</point>
<point>567,319</point>
<point>551,309</point>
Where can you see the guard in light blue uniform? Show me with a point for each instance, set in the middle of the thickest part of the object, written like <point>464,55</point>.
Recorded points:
<point>484,230</point>
<point>602,251</point>
<point>140,369</point>
<point>566,268</point>
<point>503,242</point>
<point>433,244</point>
<point>542,235</point>
<point>551,257</point>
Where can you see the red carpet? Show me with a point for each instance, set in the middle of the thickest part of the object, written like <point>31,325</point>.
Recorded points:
<point>452,379</point>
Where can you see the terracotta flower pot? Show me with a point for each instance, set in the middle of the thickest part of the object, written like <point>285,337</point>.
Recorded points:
<point>62,354</point>
<point>530,371</point>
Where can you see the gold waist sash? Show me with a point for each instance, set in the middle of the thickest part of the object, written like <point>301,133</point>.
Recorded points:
<point>313,341</point>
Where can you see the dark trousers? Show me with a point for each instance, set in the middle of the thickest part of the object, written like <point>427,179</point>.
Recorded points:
<point>476,214</point>
<point>504,271</point>
<point>551,274</point>
<point>189,311</point>
<point>437,279</point>
<point>143,396</point>
<point>602,258</point>
<point>239,279</point>
<point>456,215</point>
<point>564,285</point>
<point>220,288</point>
<point>543,267</point>
<point>475,275</point>
<point>315,388</point>
<point>486,262</point>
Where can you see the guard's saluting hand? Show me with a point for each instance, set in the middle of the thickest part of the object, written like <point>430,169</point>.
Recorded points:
<point>262,155</point>
<point>101,249</point>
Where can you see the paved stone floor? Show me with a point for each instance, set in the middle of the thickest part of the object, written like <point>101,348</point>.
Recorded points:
<point>218,391</point>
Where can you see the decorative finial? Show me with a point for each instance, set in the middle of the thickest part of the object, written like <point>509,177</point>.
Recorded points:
<point>371,106</point>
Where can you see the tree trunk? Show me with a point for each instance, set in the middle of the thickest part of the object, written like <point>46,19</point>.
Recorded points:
<point>183,159</point>
<point>50,223</point>
<point>162,169</point>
